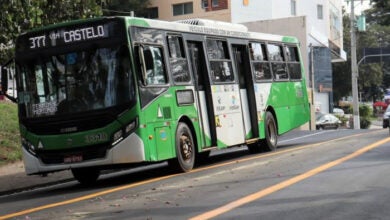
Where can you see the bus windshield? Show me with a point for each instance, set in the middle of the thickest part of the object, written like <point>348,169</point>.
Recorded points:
<point>73,82</point>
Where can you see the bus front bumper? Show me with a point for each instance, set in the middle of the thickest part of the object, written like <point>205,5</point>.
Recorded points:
<point>129,150</point>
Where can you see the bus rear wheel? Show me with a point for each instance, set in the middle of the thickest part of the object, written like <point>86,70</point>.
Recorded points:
<point>269,143</point>
<point>86,176</point>
<point>185,149</point>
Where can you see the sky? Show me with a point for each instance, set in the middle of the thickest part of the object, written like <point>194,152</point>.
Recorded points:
<point>360,6</point>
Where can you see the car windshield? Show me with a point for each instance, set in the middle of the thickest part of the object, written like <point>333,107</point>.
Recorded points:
<point>77,81</point>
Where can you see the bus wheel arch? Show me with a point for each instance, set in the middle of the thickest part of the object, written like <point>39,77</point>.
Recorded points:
<point>185,147</point>
<point>200,156</point>
<point>269,143</point>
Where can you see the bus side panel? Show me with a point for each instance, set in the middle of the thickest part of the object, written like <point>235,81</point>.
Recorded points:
<point>158,127</point>
<point>228,115</point>
<point>205,119</point>
<point>281,102</point>
<point>245,111</point>
<point>190,111</point>
<point>300,112</point>
<point>262,92</point>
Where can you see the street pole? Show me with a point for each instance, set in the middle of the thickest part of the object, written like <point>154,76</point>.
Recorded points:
<point>354,76</point>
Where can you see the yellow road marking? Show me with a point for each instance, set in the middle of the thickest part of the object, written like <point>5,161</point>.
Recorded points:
<point>105,192</point>
<point>255,196</point>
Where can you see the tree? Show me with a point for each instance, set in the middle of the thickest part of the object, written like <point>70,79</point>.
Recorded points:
<point>19,16</point>
<point>379,13</point>
<point>373,77</point>
<point>342,71</point>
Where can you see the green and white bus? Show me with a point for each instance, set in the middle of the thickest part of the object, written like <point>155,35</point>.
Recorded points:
<point>111,92</point>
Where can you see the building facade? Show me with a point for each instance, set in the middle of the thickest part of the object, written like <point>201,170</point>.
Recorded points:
<point>316,23</point>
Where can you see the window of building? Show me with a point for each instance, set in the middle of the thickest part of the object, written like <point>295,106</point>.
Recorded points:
<point>205,3</point>
<point>151,13</point>
<point>259,61</point>
<point>215,3</point>
<point>182,9</point>
<point>293,7</point>
<point>320,12</point>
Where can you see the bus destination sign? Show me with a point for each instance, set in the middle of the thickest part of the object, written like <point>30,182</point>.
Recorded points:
<point>65,36</point>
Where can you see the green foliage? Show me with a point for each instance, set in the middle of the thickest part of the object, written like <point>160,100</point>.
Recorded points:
<point>379,12</point>
<point>10,146</point>
<point>365,113</point>
<point>374,77</point>
<point>343,119</point>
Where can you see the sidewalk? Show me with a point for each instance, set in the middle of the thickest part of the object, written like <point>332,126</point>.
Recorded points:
<point>14,179</point>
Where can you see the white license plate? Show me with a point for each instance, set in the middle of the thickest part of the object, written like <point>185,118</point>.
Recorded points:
<point>73,158</point>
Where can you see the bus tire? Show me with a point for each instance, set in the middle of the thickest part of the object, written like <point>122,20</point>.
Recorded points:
<point>86,176</point>
<point>185,149</point>
<point>269,143</point>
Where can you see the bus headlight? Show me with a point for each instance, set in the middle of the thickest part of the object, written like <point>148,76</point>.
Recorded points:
<point>130,127</point>
<point>28,146</point>
<point>124,132</point>
<point>118,136</point>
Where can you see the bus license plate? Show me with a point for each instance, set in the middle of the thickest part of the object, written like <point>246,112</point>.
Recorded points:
<point>73,158</point>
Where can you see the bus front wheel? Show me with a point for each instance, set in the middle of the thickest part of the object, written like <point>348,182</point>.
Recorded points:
<point>86,176</point>
<point>185,149</point>
<point>270,141</point>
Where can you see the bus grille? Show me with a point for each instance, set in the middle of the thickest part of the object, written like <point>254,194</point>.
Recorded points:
<point>87,153</point>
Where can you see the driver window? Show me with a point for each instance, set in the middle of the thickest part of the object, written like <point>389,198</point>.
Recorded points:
<point>154,66</point>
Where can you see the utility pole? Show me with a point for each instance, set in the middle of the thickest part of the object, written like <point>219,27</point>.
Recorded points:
<point>354,68</point>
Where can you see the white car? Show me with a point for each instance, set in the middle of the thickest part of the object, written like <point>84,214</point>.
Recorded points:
<point>326,121</point>
<point>386,117</point>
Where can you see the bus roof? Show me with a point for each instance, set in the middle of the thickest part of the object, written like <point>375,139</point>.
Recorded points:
<point>202,26</point>
<point>205,26</point>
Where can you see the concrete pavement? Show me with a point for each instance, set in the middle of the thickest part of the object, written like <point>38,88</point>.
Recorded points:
<point>14,179</point>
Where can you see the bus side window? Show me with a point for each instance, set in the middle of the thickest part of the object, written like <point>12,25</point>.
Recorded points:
<point>220,62</point>
<point>277,59</point>
<point>293,64</point>
<point>259,60</point>
<point>177,60</point>
<point>153,68</point>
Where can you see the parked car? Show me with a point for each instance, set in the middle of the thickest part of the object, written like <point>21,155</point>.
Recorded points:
<point>327,121</point>
<point>386,117</point>
<point>338,111</point>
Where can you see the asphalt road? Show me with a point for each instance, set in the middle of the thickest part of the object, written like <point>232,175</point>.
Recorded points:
<point>343,174</point>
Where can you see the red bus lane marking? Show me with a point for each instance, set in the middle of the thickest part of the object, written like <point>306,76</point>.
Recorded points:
<point>105,192</point>
<point>272,189</point>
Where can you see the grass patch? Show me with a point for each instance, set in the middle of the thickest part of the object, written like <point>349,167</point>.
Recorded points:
<point>10,146</point>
